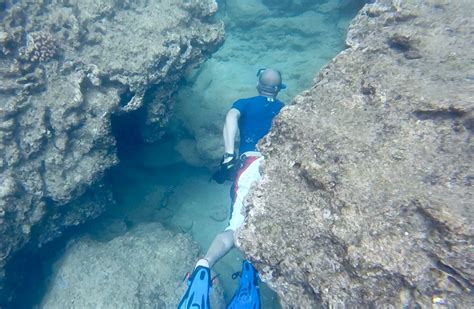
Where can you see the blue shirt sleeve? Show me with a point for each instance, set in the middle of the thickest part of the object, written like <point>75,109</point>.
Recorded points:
<point>239,105</point>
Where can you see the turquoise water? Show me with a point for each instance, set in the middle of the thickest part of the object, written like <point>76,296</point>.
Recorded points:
<point>168,182</point>
<point>295,37</point>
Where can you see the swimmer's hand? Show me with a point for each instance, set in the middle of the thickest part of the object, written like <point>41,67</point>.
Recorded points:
<point>227,169</point>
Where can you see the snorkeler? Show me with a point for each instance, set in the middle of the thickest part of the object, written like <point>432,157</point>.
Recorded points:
<point>253,118</point>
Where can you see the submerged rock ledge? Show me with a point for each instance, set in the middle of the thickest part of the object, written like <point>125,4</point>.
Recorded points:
<point>65,68</point>
<point>141,269</point>
<point>366,198</point>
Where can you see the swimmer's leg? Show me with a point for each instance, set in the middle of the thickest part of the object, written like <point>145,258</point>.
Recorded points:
<point>219,247</point>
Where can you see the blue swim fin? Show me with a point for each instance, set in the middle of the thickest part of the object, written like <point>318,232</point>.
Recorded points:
<point>248,293</point>
<point>197,294</point>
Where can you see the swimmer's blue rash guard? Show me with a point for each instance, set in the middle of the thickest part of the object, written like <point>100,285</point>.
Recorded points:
<point>256,116</point>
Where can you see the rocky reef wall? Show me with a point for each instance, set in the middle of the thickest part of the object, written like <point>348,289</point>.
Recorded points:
<point>65,68</point>
<point>366,198</point>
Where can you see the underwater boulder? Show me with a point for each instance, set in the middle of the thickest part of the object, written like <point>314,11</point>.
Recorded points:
<point>142,269</point>
<point>366,197</point>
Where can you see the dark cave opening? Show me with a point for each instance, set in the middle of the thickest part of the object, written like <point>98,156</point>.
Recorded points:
<point>126,130</point>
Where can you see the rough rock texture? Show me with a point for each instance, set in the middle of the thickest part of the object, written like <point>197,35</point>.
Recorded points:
<point>101,275</point>
<point>366,198</point>
<point>65,67</point>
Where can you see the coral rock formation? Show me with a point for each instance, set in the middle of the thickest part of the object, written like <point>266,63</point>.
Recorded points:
<point>99,275</point>
<point>366,198</point>
<point>65,68</point>
<point>40,46</point>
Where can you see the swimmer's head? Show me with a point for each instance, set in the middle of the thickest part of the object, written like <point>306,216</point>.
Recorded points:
<point>269,82</point>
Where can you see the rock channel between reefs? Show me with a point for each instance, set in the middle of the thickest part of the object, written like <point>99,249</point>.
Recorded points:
<point>366,198</point>
<point>65,68</point>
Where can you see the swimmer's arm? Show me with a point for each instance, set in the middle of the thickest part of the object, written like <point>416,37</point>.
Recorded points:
<point>230,130</point>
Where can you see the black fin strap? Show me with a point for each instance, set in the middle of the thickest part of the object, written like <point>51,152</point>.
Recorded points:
<point>236,275</point>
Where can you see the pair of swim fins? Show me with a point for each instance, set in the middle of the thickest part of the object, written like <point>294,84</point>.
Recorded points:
<point>247,295</point>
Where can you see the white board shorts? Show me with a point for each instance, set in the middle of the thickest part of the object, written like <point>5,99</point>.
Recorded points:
<point>247,175</point>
